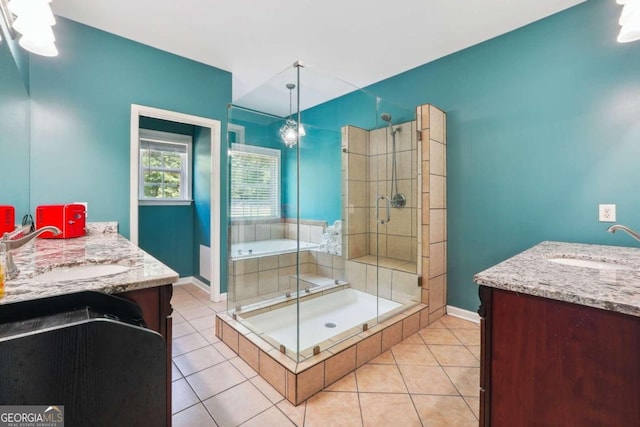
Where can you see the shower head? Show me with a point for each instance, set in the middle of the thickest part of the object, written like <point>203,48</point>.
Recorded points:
<point>386,117</point>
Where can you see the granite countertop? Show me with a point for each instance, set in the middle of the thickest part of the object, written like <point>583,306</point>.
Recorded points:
<point>530,272</point>
<point>42,255</point>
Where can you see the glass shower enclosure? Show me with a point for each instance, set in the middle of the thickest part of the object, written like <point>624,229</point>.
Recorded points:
<point>323,211</point>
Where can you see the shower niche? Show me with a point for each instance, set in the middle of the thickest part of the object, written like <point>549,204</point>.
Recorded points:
<point>337,228</point>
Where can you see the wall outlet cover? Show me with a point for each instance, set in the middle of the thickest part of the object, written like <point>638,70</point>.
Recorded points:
<point>607,213</point>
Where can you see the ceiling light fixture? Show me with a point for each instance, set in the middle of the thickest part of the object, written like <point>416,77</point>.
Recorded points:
<point>34,19</point>
<point>629,21</point>
<point>289,130</point>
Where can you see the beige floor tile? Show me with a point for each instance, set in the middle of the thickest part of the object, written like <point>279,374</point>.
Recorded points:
<point>188,343</point>
<point>466,380</point>
<point>199,311</point>
<point>412,339</point>
<point>380,378</point>
<point>385,358</point>
<point>243,367</point>
<point>237,405</point>
<point>427,380</point>
<point>413,354</point>
<point>333,409</point>
<point>346,383</point>
<point>382,409</point>
<point>177,318</point>
<point>271,417</point>
<point>215,379</point>
<point>175,372</point>
<point>457,323</point>
<point>225,350</point>
<point>468,336</point>
<point>474,404</point>
<point>441,411</point>
<point>436,325</point>
<point>439,336</point>
<point>198,360</point>
<point>185,305</point>
<point>182,396</point>
<point>210,335</point>
<point>454,355</point>
<point>475,350</point>
<point>206,322</point>
<point>182,329</point>
<point>267,389</point>
<point>196,415</point>
<point>295,413</point>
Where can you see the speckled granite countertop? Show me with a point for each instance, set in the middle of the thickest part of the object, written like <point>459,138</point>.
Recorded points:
<point>530,272</point>
<point>42,255</point>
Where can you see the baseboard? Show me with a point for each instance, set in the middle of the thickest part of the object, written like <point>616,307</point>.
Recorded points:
<point>192,280</point>
<point>463,314</point>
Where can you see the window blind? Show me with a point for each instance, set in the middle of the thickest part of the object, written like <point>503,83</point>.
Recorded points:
<point>255,182</point>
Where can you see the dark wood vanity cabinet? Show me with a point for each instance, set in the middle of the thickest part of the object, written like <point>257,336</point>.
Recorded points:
<point>156,311</point>
<point>552,363</point>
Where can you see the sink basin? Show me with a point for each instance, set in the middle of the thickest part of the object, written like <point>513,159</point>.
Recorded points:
<point>590,263</point>
<point>79,272</point>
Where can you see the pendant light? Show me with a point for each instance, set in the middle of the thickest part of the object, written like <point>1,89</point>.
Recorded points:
<point>289,130</point>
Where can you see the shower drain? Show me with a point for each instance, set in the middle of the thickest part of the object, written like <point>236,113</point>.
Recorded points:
<point>329,325</point>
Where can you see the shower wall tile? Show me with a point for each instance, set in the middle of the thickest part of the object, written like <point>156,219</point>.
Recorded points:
<point>400,223</point>
<point>436,156</point>
<point>400,247</point>
<point>247,233</point>
<point>315,234</point>
<point>405,138</point>
<point>356,274</point>
<point>263,231</point>
<point>424,116</point>
<point>267,281</point>
<point>379,168</point>
<point>437,259</point>
<point>425,208</point>
<point>425,145</point>
<point>437,226</point>
<point>287,260</point>
<point>425,176</point>
<point>436,124</point>
<point>357,245</point>
<point>404,162</point>
<point>357,140</point>
<point>357,167</point>
<point>378,142</point>
<point>337,262</point>
<point>437,190</point>
<point>437,296</point>
<point>358,194</point>
<point>357,220</point>
<point>277,231</point>
<point>234,233</point>
<point>291,231</point>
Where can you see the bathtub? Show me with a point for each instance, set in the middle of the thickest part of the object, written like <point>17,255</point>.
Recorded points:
<point>267,247</point>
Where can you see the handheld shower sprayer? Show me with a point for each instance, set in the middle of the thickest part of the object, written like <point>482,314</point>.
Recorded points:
<point>398,200</point>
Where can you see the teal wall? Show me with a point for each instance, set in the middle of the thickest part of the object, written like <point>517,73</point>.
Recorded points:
<point>81,106</point>
<point>166,232</point>
<point>543,124</point>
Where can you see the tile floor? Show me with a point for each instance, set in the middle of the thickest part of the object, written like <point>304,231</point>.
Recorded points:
<point>429,379</point>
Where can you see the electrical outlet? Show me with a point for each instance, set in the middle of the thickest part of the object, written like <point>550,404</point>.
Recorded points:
<point>607,213</point>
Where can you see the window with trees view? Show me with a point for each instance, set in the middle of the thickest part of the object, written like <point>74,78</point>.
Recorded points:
<point>165,167</point>
<point>255,182</point>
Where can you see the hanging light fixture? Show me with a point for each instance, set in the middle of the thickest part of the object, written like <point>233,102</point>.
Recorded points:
<point>34,20</point>
<point>629,21</point>
<point>289,130</point>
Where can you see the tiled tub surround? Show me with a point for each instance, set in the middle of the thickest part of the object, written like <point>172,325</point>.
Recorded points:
<point>281,228</point>
<point>297,381</point>
<point>262,278</point>
<point>43,255</point>
<point>531,272</point>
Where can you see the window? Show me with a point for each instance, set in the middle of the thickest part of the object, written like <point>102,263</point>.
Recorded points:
<point>255,182</point>
<point>165,168</point>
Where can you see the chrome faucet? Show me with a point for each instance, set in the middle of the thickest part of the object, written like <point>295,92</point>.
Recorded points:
<point>12,270</point>
<point>627,230</point>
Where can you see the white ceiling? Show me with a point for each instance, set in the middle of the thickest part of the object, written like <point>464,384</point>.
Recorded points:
<point>358,41</point>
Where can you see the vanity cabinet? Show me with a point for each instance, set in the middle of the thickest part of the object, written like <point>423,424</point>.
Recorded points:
<point>546,362</point>
<point>156,312</point>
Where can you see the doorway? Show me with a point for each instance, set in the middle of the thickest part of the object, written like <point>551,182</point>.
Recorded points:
<point>210,262</point>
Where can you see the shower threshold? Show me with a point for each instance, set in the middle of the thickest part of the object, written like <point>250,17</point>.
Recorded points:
<point>298,376</point>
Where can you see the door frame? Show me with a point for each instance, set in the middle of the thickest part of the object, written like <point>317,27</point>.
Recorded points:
<point>215,141</point>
